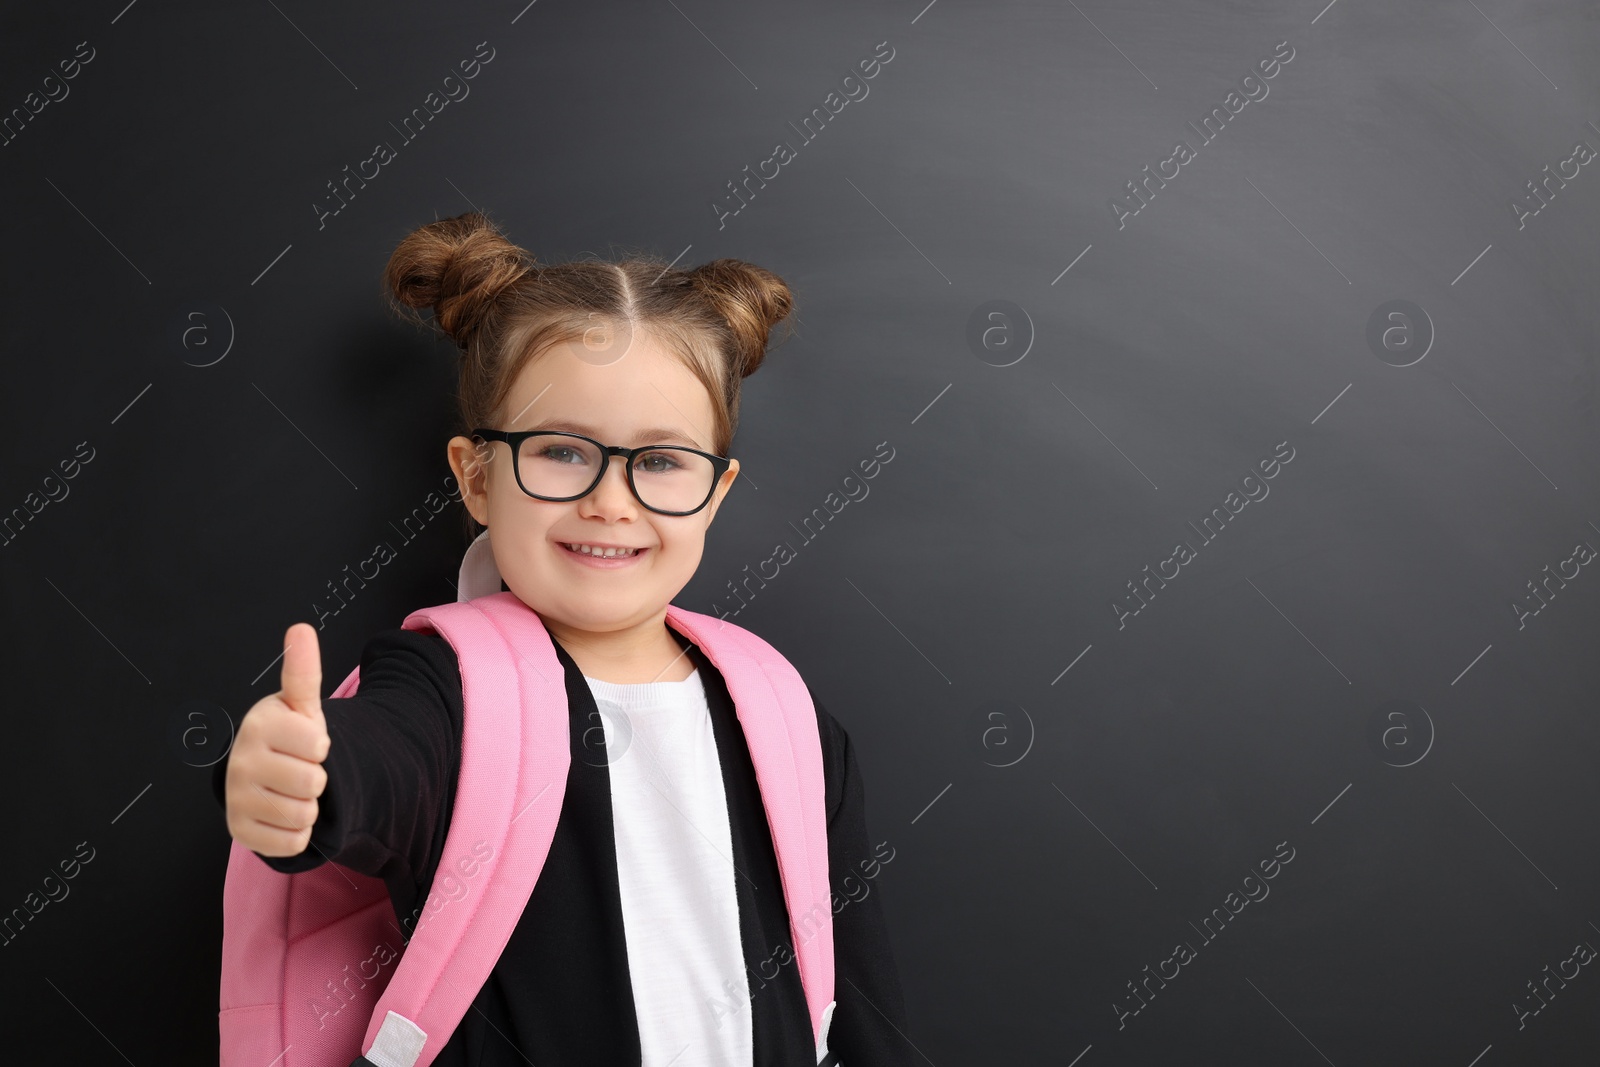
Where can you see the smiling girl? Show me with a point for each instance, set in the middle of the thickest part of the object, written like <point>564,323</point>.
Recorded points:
<point>598,404</point>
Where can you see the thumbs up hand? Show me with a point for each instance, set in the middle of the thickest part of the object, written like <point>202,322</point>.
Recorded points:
<point>275,771</point>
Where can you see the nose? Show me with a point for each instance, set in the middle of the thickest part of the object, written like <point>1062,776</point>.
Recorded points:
<point>612,496</point>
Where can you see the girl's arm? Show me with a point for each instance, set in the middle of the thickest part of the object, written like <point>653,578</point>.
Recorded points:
<point>391,765</point>
<point>869,1023</point>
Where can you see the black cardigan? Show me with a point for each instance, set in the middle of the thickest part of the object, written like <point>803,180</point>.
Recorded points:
<point>560,994</point>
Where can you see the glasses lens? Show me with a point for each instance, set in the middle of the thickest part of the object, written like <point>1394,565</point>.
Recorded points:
<point>666,478</point>
<point>672,479</point>
<point>557,466</point>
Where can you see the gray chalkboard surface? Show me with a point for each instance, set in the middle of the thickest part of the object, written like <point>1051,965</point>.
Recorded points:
<point>1216,632</point>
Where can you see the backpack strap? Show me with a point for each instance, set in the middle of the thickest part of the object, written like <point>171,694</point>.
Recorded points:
<point>780,724</point>
<point>515,752</point>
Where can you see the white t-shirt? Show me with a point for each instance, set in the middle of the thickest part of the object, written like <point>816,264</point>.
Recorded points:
<point>675,869</point>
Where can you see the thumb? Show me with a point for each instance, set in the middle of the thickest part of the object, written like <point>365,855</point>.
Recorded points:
<point>302,669</point>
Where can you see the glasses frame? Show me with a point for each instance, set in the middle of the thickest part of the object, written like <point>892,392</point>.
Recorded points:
<point>514,439</point>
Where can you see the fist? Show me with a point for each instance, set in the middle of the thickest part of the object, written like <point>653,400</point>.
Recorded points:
<point>275,772</point>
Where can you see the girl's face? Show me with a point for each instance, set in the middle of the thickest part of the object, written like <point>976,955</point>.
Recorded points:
<point>618,401</point>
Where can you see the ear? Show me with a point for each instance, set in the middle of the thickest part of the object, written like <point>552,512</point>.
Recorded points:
<point>470,460</point>
<point>723,485</point>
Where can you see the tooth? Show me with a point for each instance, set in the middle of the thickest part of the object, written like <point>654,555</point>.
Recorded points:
<point>603,553</point>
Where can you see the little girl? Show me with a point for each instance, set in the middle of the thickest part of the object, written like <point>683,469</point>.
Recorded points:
<point>657,933</point>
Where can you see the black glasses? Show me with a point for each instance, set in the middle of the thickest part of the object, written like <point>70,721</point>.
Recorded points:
<point>559,466</point>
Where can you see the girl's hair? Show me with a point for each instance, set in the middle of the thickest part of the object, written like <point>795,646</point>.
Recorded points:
<point>501,307</point>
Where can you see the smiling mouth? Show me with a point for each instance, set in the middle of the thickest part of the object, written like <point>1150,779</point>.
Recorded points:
<point>600,553</point>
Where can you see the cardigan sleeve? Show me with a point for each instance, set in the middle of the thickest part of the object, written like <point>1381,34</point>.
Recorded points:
<point>869,1027</point>
<point>392,764</point>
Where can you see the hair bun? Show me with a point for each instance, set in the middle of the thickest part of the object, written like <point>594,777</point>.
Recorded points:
<point>751,299</point>
<point>456,267</point>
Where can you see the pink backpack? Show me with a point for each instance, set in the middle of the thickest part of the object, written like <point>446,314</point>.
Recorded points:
<point>316,973</point>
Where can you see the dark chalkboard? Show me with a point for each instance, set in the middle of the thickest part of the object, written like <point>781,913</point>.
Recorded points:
<point>1217,638</point>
